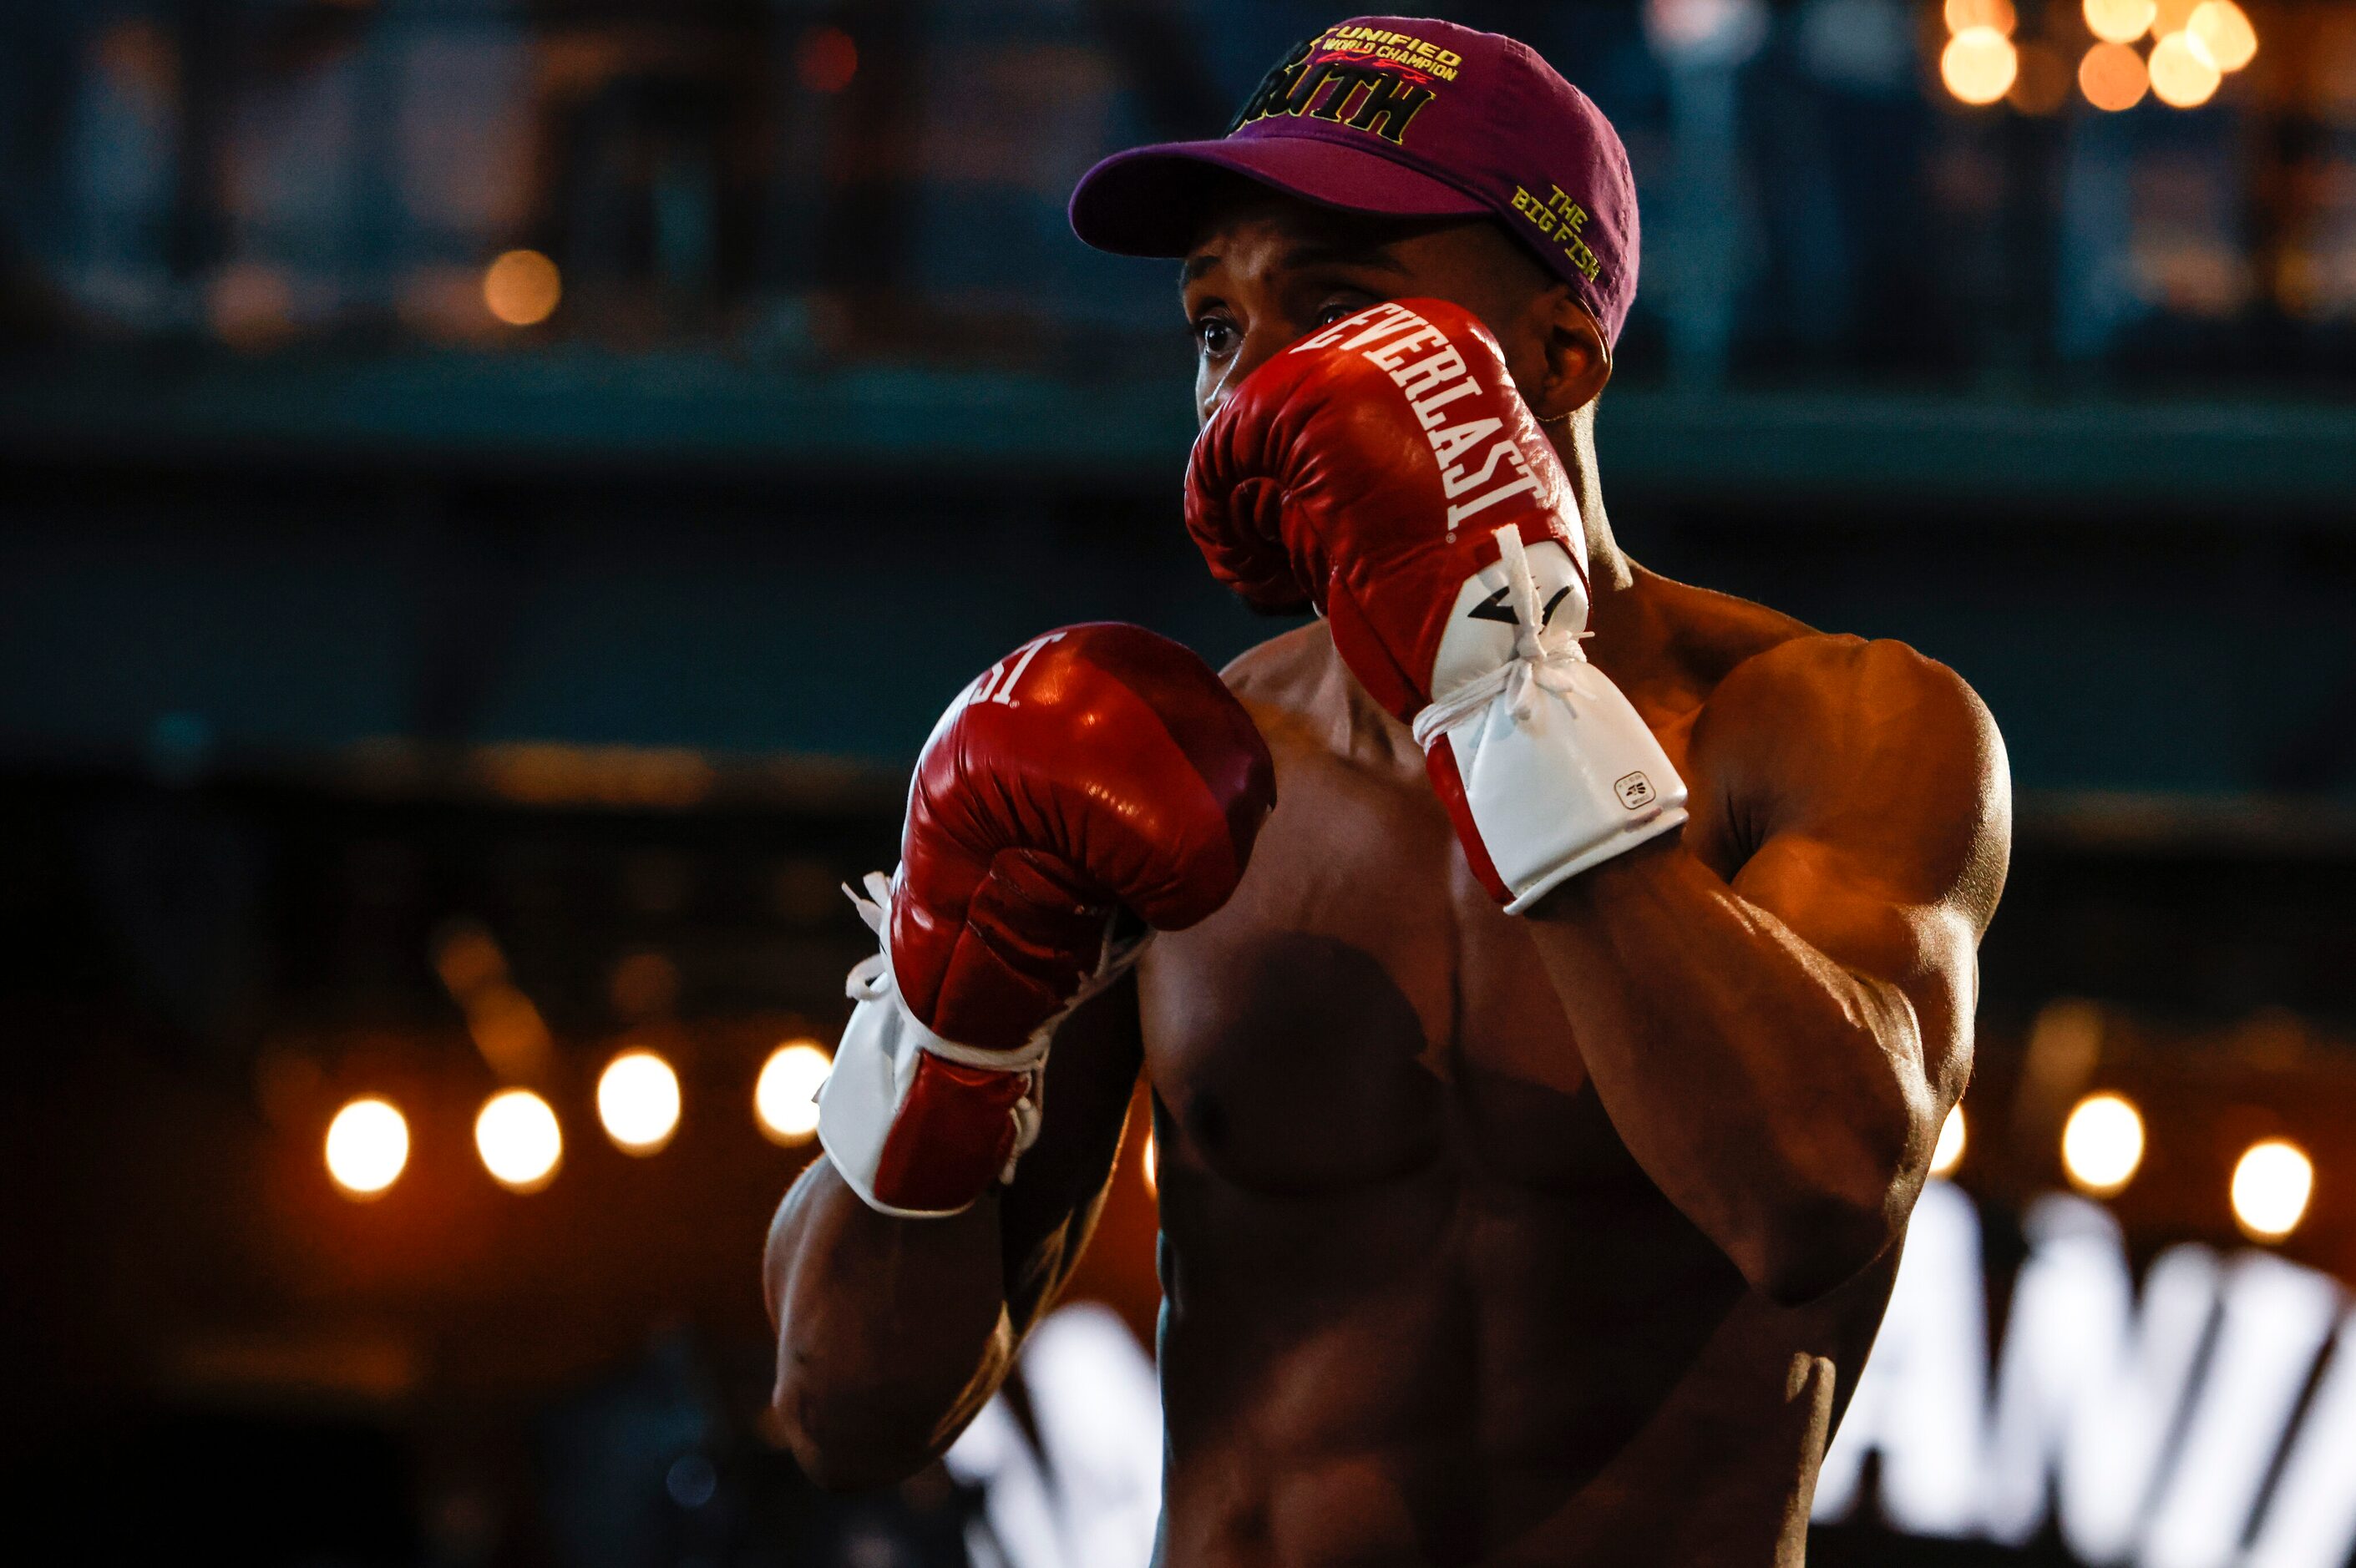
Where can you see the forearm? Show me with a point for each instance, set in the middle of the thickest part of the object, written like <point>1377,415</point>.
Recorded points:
<point>1777,1097</point>
<point>891,1332</point>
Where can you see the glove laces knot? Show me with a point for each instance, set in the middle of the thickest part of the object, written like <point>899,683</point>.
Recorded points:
<point>1542,661</point>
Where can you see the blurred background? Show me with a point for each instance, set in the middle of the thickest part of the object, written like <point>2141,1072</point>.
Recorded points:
<point>494,492</point>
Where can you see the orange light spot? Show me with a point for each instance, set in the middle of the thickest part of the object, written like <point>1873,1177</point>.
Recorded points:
<point>367,1145</point>
<point>2221,33</point>
<point>2112,77</point>
<point>521,288</point>
<point>1978,65</point>
<point>1965,14</point>
<point>2120,21</point>
<point>2179,77</point>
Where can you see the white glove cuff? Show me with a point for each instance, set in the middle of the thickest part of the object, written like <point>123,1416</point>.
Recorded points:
<point>1559,772</point>
<point>882,1045</point>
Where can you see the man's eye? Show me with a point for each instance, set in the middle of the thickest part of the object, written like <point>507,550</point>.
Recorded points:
<point>1213,334</point>
<point>1334,310</point>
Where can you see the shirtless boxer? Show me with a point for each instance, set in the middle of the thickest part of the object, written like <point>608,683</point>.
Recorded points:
<point>1539,1116</point>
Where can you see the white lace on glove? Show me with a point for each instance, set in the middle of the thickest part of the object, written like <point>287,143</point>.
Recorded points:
<point>871,981</point>
<point>1542,658</point>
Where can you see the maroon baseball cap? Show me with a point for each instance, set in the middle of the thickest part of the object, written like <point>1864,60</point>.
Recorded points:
<point>1407,117</point>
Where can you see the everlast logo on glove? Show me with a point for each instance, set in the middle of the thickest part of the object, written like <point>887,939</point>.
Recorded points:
<point>1452,579</point>
<point>1432,373</point>
<point>1376,87</point>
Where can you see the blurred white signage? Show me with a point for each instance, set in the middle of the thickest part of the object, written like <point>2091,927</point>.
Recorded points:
<point>1088,1495</point>
<point>2149,1426</point>
<point>2176,1429</point>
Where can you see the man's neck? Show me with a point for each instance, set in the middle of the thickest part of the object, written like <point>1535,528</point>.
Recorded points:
<point>1573,439</point>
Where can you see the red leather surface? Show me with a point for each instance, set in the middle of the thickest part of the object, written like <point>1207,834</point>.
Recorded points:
<point>1097,768</point>
<point>950,1139</point>
<point>1448,782</point>
<point>1350,463</point>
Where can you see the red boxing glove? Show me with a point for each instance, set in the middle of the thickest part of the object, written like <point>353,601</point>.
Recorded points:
<point>1096,777</point>
<point>1385,471</point>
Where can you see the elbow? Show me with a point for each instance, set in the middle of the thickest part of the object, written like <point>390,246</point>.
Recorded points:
<point>846,1441</point>
<point>1814,1248</point>
<point>1845,1193</point>
<point>1832,1224</point>
<point>835,1467</point>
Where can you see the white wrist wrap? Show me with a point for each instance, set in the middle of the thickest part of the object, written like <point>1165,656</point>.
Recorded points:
<point>876,1062</point>
<point>1559,772</point>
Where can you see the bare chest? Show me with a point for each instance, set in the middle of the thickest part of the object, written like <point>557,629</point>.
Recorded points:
<point>1361,1011</point>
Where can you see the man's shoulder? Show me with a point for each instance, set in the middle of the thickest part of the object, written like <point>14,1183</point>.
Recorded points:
<point>1753,659</point>
<point>1867,743</point>
<point>1285,672</point>
<point>1839,679</point>
<point>1307,702</point>
<point>1872,734</point>
<point>1708,634</point>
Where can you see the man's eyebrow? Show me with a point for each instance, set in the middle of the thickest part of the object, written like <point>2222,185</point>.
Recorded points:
<point>1347,254</point>
<point>1344,253</point>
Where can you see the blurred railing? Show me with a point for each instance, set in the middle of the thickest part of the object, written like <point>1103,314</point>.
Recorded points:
<point>789,183</point>
<point>1896,367</point>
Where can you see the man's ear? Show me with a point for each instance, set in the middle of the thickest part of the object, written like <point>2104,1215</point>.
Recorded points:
<point>1577,364</point>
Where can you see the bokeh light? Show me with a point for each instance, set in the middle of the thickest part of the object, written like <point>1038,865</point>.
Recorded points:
<point>638,1100</point>
<point>2120,21</point>
<point>1948,1153</point>
<point>2112,77</point>
<point>644,985</point>
<point>827,60</point>
<point>2171,16</point>
<point>518,1139</point>
<point>2221,33</point>
<point>2179,77</point>
<point>2043,81</point>
<point>2101,1143</point>
<point>1978,65</point>
<point>1996,14</point>
<point>2272,1183</point>
<point>251,305</point>
<point>367,1145</point>
<point>521,288</point>
<point>786,1096</point>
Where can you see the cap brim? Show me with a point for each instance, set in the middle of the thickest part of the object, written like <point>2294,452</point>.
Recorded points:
<point>1149,201</point>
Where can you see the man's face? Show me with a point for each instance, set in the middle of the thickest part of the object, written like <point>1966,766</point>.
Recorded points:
<point>1269,268</point>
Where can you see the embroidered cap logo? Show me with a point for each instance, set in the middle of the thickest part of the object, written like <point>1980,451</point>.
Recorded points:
<point>1379,96</point>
